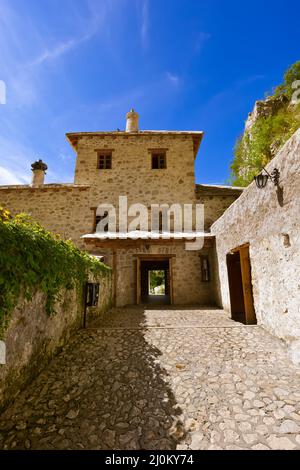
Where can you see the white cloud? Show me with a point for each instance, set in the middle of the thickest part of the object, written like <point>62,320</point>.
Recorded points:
<point>21,72</point>
<point>171,77</point>
<point>56,51</point>
<point>15,162</point>
<point>63,47</point>
<point>8,177</point>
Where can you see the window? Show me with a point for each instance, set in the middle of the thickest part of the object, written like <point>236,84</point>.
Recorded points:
<point>205,272</point>
<point>104,160</point>
<point>159,160</point>
<point>97,219</point>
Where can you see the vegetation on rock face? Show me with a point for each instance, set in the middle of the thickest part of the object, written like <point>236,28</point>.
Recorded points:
<point>33,259</point>
<point>269,132</point>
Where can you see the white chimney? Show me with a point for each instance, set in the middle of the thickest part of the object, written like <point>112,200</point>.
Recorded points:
<point>132,121</point>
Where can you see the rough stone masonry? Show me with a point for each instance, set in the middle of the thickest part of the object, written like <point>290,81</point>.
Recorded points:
<point>269,220</point>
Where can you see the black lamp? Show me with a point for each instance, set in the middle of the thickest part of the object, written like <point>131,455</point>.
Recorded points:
<point>262,179</point>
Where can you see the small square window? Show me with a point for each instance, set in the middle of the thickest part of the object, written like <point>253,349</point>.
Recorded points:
<point>159,161</point>
<point>97,219</point>
<point>104,161</point>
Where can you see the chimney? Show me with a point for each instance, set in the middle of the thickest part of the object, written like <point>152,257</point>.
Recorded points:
<point>132,121</point>
<point>39,170</point>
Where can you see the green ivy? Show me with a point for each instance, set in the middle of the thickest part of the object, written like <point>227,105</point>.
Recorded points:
<point>33,259</point>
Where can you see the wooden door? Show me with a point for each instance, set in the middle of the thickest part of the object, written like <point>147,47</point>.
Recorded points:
<point>235,282</point>
<point>247,285</point>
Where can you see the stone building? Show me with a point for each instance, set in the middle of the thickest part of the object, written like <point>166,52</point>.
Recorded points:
<point>149,167</point>
<point>257,258</point>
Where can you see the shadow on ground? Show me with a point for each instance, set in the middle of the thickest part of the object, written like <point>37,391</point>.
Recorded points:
<point>106,390</point>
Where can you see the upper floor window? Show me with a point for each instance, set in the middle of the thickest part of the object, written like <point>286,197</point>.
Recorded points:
<point>104,160</point>
<point>159,160</point>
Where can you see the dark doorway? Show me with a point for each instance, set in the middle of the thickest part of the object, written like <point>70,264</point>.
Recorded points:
<point>240,286</point>
<point>155,281</point>
<point>236,287</point>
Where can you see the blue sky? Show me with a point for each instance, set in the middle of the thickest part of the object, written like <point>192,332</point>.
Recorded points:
<point>80,65</point>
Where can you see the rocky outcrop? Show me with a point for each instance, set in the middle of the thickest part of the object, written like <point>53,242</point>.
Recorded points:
<point>258,145</point>
<point>263,109</point>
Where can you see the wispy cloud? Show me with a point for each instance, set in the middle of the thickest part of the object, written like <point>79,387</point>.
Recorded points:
<point>61,48</point>
<point>144,23</point>
<point>15,162</point>
<point>8,177</point>
<point>172,78</point>
<point>22,72</point>
<point>57,51</point>
<point>16,159</point>
<point>248,80</point>
<point>200,40</point>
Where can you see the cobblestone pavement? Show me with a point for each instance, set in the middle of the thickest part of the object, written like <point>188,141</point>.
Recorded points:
<point>161,379</point>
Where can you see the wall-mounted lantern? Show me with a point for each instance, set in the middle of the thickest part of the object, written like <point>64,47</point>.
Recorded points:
<point>262,179</point>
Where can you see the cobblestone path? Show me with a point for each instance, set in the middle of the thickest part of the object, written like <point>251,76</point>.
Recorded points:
<point>161,379</point>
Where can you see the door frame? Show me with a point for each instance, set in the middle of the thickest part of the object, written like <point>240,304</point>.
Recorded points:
<point>245,262</point>
<point>156,257</point>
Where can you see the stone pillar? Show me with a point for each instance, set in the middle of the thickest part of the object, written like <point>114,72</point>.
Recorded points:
<point>132,121</point>
<point>39,170</point>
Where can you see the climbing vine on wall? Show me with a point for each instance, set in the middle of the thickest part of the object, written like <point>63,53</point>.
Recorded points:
<point>33,259</point>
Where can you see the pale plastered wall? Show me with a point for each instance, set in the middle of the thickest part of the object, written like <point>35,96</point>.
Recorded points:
<point>270,222</point>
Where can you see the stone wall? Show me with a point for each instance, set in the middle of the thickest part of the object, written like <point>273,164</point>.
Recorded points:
<point>33,337</point>
<point>131,172</point>
<point>187,286</point>
<point>270,221</point>
<point>60,208</point>
<point>216,199</point>
<point>68,209</point>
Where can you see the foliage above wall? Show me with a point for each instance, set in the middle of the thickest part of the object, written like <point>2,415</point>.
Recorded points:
<point>268,127</point>
<point>33,259</point>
